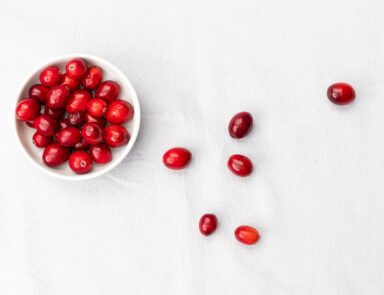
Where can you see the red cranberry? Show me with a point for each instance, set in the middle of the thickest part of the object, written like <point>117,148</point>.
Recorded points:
<point>92,78</point>
<point>240,165</point>
<point>55,155</point>
<point>27,109</point>
<point>116,136</point>
<point>81,145</point>
<point>39,92</point>
<point>99,121</point>
<point>68,136</point>
<point>119,111</point>
<point>92,133</point>
<point>240,125</point>
<point>64,123</point>
<point>76,68</point>
<point>50,76</point>
<point>76,118</point>
<point>78,101</point>
<point>70,83</point>
<point>41,140</point>
<point>97,107</point>
<point>247,235</point>
<point>108,90</point>
<point>57,97</point>
<point>80,162</point>
<point>29,124</point>
<point>341,93</point>
<point>45,125</point>
<point>208,224</point>
<point>55,113</point>
<point>101,153</point>
<point>177,158</point>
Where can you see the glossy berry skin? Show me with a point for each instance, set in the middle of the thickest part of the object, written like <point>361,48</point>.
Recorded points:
<point>247,235</point>
<point>68,136</point>
<point>40,140</point>
<point>101,153</point>
<point>119,111</point>
<point>76,118</point>
<point>76,68</point>
<point>116,136</point>
<point>78,101</point>
<point>80,162</point>
<point>55,113</point>
<point>99,121</point>
<point>92,133</point>
<point>50,76</point>
<point>108,90</point>
<point>208,224</point>
<point>27,109</point>
<point>240,165</point>
<point>45,125</point>
<point>97,107</point>
<point>177,158</point>
<point>64,123</point>
<point>81,145</point>
<point>70,83</point>
<point>39,92</point>
<point>55,155</point>
<point>341,93</point>
<point>58,97</point>
<point>92,78</point>
<point>240,125</point>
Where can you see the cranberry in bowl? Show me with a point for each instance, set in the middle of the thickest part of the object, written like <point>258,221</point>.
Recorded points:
<point>79,66</point>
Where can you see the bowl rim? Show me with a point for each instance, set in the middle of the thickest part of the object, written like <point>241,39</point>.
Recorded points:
<point>127,149</point>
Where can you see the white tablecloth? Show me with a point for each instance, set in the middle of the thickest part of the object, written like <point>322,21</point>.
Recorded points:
<point>317,194</point>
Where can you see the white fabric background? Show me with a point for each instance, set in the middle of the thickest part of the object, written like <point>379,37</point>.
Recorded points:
<point>317,192</point>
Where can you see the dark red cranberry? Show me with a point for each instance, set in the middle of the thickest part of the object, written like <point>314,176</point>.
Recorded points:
<point>177,158</point>
<point>76,68</point>
<point>341,93</point>
<point>240,165</point>
<point>240,125</point>
<point>55,154</point>
<point>70,83</point>
<point>108,90</point>
<point>27,109</point>
<point>116,136</point>
<point>50,76</point>
<point>78,101</point>
<point>81,145</point>
<point>247,235</point>
<point>29,124</point>
<point>58,97</point>
<point>99,121</point>
<point>76,118</point>
<point>55,113</point>
<point>208,224</point>
<point>119,111</point>
<point>68,136</point>
<point>97,107</point>
<point>101,153</point>
<point>80,162</point>
<point>64,123</point>
<point>39,92</point>
<point>41,140</point>
<point>92,133</point>
<point>92,78</point>
<point>45,125</point>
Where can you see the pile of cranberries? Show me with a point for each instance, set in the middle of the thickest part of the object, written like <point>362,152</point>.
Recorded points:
<point>77,116</point>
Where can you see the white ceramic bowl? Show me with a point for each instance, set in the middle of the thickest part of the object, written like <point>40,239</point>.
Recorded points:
<point>25,133</point>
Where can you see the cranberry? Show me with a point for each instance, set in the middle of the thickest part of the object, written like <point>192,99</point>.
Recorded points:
<point>68,136</point>
<point>55,154</point>
<point>64,123</point>
<point>108,90</point>
<point>81,145</point>
<point>39,92</point>
<point>119,111</point>
<point>50,76</point>
<point>341,93</point>
<point>27,109</point>
<point>57,97</point>
<point>101,153</point>
<point>78,101</point>
<point>247,235</point>
<point>76,118</point>
<point>240,125</point>
<point>240,165</point>
<point>92,133</point>
<point>92,78</point>
<point>208,224</point>
<point>97,107</point>
<point>55,113</point>
<point>177,158</point>
<point>116,136</point>
<point>76,68</point>
<point>41,140</point>
<point>45,125</point>
<point>70,83</point>
<point>29,124</point>
<point>99,121</point>
<point>80,162</point>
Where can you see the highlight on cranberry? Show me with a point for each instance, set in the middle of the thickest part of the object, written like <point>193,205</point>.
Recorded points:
<point>76,115</point>
<point>177,158</point>
<point>341,93</point>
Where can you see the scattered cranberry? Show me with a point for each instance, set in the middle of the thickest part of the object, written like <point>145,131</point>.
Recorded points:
<point>50,76</point>
<point>68,136</point>
<point>57,97</point>
<point>119,111</point>
<point>41,140</point>
<point>108,90</point>
<point>240,165</point>
<point>55,113</point>
<point>240,125</point>
<point>64,123</point>
<point>177,158</point>
<point>341,93</point>
<point>92,133</point>
<point>116,136</point>
<point>80,162</point>
<point>45,125</point>
<point>97,107</point>
<point>92,78</point>
<point>76,118</point>
<point>76,68</point>
<point>55,155</point>
<point>99,121</point>
<point>70,83</point>
<point>81,145</point>
<point>247,235</point>
<point>39,92</point>
<point>101,153</point>
<point>27,109</point>
<point>78,101</point>
<point>208,224</point>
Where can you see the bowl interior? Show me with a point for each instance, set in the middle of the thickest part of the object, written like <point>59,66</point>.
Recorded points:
<point>110,72</point>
